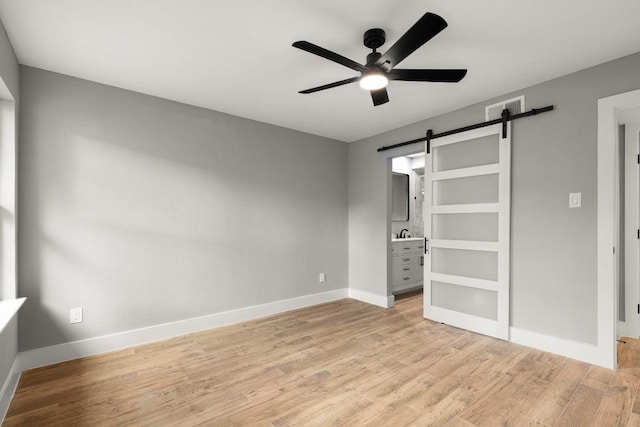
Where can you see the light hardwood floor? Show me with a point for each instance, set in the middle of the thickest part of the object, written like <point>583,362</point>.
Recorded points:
<point>341,363</point>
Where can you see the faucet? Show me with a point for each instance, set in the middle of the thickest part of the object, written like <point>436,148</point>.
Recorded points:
<point>402,235</point>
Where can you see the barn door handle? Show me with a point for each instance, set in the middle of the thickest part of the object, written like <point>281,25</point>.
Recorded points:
<point>426,245</point>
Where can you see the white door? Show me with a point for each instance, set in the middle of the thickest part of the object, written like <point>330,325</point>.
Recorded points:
<point>467,236</point>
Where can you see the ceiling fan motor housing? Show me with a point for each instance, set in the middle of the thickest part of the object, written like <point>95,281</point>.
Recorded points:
<point>374,38</point>
<point>373,57</point>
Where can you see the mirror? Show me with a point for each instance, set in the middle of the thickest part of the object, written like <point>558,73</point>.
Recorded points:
<point>400,197</point>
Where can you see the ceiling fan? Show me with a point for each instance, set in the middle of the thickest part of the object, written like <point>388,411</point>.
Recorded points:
<point>379,68</point>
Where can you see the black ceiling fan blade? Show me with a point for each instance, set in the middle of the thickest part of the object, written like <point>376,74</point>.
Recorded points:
<point>327,54</point>
<point>330,85</point>
<point>379,96</point>
<point>422,31</point>
<point>442,75</point>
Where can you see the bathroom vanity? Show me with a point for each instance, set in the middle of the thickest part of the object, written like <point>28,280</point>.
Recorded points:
<point>407,261</point>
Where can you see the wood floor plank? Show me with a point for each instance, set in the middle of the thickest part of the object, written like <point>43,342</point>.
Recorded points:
<point>498,404</point>
<point>340,363</point>
<point>547,410</point>
<point>598,378</point>
<point>617,402</point>
<point>380,414</point>
<point>628,353</point>
<point>634,420</point>
<point>582,407</point>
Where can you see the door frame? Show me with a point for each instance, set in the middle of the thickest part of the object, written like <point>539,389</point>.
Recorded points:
<point>627,261</point>
<point>607,312</point>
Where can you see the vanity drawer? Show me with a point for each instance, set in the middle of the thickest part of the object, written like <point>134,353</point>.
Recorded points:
<point>402,259</point>
<point>407,247</point>
<point>400,277</point>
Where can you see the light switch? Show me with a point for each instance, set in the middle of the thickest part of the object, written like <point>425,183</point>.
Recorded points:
<point>575,200</point>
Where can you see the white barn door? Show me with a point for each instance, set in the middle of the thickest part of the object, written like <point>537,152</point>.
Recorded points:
<point>467,231</point>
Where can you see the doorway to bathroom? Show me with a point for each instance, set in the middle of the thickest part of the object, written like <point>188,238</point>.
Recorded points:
<point>407,224</point>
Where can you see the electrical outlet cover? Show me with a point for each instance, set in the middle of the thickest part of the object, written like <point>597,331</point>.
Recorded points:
<point>75,315</point>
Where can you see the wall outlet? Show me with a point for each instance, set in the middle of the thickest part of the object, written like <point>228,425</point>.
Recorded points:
<point>321,278</point>
<point>75,315</point>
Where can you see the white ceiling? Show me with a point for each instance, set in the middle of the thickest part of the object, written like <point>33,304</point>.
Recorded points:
<point>235,56</point>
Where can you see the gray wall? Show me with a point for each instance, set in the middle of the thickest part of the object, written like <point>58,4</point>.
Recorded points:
<point>9,70</point>
<point>553,252</point>
<point>144,211</point>
<point>9,77</point>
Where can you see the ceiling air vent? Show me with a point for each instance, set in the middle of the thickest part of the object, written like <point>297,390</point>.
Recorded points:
<point>494,111</point>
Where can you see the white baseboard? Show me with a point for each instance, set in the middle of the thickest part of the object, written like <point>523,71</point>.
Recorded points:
<point>369,298</point>
<point>73,350</point>
<point>9,388</point>
<point>584,352</point>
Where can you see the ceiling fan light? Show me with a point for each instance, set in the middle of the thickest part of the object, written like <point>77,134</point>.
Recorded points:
<point>373,80</point>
